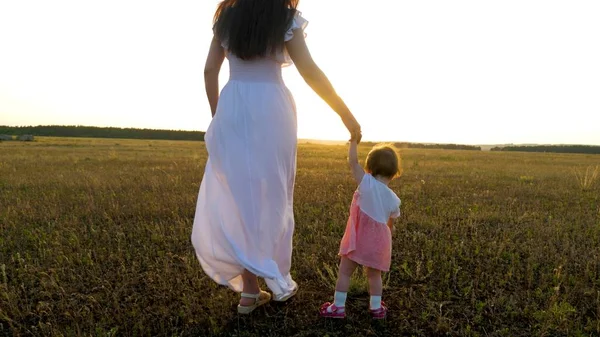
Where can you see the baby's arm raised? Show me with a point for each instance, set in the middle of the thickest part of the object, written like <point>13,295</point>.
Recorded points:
<point>357,171</point>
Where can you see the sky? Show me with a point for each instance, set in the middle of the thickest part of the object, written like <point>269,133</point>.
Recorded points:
<point>459,71</point>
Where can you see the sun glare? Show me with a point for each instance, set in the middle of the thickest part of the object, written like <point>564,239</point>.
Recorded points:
<point>424,72</point>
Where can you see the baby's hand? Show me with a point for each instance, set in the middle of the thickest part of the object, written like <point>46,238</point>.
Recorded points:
<point>391,225</point>
<point>355,137</point>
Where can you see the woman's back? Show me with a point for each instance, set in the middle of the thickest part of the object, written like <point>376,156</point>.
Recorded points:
<point>274,58</point>
<point>251,29</point>
<point>263,69</point>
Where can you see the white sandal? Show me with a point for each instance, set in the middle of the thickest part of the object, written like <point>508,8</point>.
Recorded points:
<point>246,309</point>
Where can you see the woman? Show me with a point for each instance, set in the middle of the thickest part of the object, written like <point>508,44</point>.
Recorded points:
<point>244,219</point>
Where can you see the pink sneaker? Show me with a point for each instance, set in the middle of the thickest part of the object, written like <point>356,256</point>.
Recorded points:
<point>335,311</point>
<point>379,313</point>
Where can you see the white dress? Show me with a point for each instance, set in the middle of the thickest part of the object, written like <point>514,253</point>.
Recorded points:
<point>244,215</point>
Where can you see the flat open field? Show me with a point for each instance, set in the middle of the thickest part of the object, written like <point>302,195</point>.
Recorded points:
<point>94,240</point>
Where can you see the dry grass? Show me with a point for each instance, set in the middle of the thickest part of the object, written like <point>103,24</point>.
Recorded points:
<point>587,178</point>
<point>94,240</point>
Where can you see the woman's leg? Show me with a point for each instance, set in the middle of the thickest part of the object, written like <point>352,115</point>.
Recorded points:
<point>250,287</point>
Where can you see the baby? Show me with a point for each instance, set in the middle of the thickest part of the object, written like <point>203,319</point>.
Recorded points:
<point>367,239</point>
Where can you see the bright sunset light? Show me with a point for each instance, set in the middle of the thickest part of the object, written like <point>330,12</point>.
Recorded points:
<point>466,71</point>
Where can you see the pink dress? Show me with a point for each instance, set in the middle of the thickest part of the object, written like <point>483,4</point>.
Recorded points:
<point>367,239</point>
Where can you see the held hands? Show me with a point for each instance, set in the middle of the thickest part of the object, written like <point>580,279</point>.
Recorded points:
<point>353,127</point>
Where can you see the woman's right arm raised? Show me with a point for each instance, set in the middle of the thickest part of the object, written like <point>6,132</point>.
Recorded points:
<point>317,80</point>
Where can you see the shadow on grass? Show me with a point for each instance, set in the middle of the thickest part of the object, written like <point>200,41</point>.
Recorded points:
<point>298,317</point>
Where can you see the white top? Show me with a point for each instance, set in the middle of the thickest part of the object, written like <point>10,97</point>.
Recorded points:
<point>377,200</point>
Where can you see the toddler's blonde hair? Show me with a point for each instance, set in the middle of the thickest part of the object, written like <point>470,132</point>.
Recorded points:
<point>383,160</point>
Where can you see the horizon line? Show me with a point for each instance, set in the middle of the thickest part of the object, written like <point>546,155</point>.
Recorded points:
<point>309,139</point>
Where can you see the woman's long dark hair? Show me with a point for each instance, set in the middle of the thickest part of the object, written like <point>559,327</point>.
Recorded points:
<point>254,28</point>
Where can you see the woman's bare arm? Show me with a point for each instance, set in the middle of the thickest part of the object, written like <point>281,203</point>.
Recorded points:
<point>317,80</point>
<point>214,60</point>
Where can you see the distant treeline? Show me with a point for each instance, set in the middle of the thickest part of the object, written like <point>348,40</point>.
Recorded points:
<point>437,146</point>
<point>406,145</point>
<point>98,132</point>
<point>590,149</point>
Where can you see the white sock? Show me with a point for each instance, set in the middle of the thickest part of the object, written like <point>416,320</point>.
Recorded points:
<point>375,302</point>
<point>339,300</point>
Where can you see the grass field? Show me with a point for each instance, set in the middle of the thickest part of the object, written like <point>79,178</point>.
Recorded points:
<point>94,240</point>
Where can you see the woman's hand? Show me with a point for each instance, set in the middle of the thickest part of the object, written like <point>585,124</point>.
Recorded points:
<point>353,127</point>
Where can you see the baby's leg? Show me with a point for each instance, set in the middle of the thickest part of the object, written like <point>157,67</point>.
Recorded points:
<point>375,283</point>
<point>375,287</point>
<point>345,271</point>
<point>337,308</point>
